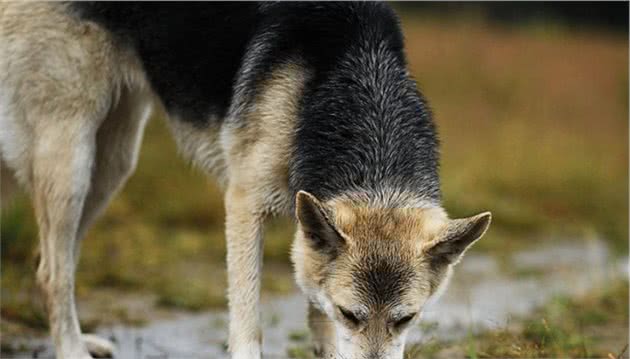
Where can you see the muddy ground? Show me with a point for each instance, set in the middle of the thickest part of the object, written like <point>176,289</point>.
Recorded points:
<point>485,293</point>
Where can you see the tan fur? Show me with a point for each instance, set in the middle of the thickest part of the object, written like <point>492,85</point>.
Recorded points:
<point>72,109</point>
<point>322,331</point>
<point>257,158</point>
<point>117,146</point>
<point>74,152</point>
<point>202,147</point>
<point>409,225</point>
<point>403,237</point>
<point>258,151</point>
<point>249,156</point>
<point>40,44</point>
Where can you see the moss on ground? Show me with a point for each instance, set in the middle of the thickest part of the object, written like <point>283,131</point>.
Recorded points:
<point>593,326</point>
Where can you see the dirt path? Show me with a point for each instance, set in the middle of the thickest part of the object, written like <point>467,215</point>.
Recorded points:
<point>484,293</point>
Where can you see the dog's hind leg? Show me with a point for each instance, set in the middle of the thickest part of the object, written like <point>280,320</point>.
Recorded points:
<point>62,163</point>
<point>117,145</point>
<point>60,81</point>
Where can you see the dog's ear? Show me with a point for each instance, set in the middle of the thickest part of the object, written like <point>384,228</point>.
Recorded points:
<point>455,239</point>
<point>315,222</point>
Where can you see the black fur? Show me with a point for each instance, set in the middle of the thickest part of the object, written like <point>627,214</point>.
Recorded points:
<point>191,51</point>
<point>381,280</point>
<point>363,126</point>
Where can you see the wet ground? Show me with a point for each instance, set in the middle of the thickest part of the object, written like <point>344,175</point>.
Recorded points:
<point>485,292</point>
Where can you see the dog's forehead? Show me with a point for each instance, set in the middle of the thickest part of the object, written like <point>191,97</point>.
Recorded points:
<point>382,275</point>
<point>382,267</point>
<point>384,281</point>
<point>367,223</point>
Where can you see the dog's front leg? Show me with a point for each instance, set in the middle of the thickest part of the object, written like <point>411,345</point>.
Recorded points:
<point>322,331</point>
<point>244,221</point>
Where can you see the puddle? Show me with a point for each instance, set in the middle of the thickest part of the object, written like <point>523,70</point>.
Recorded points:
<point>484,293</point>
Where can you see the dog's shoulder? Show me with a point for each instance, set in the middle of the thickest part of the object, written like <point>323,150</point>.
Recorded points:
<point>357,122</point>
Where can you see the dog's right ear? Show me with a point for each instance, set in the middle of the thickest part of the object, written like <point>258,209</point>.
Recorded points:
<point>459,235</point>
<point>316,225</point>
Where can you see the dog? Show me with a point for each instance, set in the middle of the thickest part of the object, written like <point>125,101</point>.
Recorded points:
<point>303,109</point>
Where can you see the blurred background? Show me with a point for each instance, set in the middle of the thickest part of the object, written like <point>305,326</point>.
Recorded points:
<point>531,103</point>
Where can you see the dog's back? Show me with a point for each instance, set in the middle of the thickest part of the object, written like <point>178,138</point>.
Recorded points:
<point>361,124</point>
<point>190,51</point>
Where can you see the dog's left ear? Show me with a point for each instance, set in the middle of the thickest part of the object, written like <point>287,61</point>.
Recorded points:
<point>315,221</point>
<point>455,239</point>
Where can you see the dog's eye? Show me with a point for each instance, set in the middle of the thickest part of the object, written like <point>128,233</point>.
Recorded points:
<point>404,320</point>
<point>349,316</point>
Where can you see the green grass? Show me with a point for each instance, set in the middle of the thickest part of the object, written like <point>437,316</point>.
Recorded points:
<point>300,352</point>
<point>298,335</point>
<point>592,326</point>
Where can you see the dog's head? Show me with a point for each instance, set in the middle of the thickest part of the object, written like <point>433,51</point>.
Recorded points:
<point>371,270</point>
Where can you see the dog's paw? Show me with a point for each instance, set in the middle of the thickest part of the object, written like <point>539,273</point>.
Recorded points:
<point>97,346</point>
